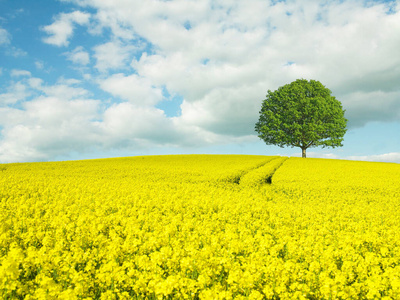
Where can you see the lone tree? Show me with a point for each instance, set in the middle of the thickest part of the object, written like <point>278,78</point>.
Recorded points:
<point>302,114</point>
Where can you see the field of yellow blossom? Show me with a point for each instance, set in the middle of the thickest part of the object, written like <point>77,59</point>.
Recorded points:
<point>200,227</point>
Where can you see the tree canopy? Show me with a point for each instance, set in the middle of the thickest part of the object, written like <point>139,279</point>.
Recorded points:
<point>302,114</point>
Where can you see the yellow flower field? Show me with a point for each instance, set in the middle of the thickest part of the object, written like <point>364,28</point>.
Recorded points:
<point>200,227</point>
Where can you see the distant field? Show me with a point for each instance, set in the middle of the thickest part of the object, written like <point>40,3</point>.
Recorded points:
<point>200,227</point>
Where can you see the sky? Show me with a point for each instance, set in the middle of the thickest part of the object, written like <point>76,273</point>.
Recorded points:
<point>83,79</point>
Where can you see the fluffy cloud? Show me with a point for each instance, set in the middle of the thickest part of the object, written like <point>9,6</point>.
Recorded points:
<point>61,118</point>
<point>128,125</point>
<point>235,117</point>
<point>63,27</point>
<point>136,89</point>
<point>368,106</point>
<point>57,119</point>
<point>47,127</point>
<point>15,93</point>
<point>112,55</point>
<point>78,56</point>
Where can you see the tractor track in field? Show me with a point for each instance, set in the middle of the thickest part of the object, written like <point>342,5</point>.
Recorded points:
<point>269,179</point>
<point>262,174</point>
<point>235,177</point>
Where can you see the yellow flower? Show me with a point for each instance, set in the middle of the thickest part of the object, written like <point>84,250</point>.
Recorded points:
<point>200,226</point>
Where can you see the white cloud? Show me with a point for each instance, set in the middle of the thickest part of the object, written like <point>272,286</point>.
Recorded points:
<point>18,73</point>
<point>57,120</point>
<point>15,93</point>
<point>386,157</point>
<point>112,55</point>
<point>119,30</point>
<point>29,87</point>
<point>214,113</point>
<point>78,56</point>
<point>62,119</point>
<point>62,28</point>
<point>363,106</point>
<point>35,83</point>
<point>54,111</point>
<point>48,127</point>
<point>4,37</point>
<point>136,89</point>
<point>64,91</point>
<point>128,125</point>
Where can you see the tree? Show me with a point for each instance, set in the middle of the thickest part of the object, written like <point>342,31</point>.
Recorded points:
<point>302,114</point>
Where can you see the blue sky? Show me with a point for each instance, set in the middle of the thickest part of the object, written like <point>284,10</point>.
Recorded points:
<point>100,78</point>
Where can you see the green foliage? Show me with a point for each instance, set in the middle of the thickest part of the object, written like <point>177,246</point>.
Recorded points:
<point>302,114</point>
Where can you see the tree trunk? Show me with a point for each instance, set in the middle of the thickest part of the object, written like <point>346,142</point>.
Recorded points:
<point>303,152</point>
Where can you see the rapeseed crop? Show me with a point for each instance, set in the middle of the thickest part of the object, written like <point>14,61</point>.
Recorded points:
<point>200,227</point>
